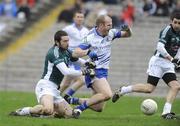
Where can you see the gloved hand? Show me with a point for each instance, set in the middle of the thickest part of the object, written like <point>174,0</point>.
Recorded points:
<point>92,55</point>
<point>90,72</point>
<point>176,62</point>
<point>124,27</point>
<point>90,65</point>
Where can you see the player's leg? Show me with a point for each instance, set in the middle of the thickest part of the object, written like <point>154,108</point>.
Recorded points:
<point>141,88</point>
<point>63,109</point>
<point>170,79</point>
<point>154,74</point>
<point>97,107</point>
<point>104,93</point>
<point>66,82</point>
<point>45,107</point>
<point>77,83</point>
<point>37,110</point>
<point>21,112</point>
<point>47,101</point>
<point>44,91</point>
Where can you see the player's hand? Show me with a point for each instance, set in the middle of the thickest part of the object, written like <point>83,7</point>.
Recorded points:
<point>124,27</point>
<point>90,72</point>
<point>92,55</point>
<point>90,65</point>
<point>176,62</point>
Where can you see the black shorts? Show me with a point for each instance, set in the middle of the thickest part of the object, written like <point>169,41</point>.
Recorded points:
<point>152,80</point>
<point>168,77</point>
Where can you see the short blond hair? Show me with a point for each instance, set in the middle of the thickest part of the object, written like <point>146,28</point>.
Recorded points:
<point>100,20</point>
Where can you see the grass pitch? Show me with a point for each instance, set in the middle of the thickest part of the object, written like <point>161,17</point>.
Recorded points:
<point>126,112</point>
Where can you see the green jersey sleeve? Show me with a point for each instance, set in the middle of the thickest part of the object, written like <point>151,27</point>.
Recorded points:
<point>164,35</point>
<point>55,57</point>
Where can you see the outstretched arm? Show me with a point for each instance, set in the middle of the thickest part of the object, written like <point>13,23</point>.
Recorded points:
<point>68,71</point>
<point>78,52</point>
<point>83,50</point>
<point>72,72</point>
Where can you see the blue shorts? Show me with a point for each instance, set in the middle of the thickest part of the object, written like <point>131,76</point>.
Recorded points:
<point>75,65</point>
<point>100,73</point>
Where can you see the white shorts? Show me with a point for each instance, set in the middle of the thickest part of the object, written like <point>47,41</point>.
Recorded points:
<point>45,87</point>
<point>159,66</point>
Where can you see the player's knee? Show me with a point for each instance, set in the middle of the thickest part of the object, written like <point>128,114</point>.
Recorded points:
<point>99,109</point>
<point>108,95</point>
<point>149,90</point>
<point>176,87</point>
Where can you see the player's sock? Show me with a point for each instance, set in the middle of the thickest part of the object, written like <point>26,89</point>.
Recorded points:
<point>74,100</point>
<point>83,106</point>
<point>125,90</point>
<point>24,111</point>
<point>70,92</point>
<point>167,108</point>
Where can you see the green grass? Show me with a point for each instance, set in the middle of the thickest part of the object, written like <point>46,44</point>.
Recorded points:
<point>126,112</point>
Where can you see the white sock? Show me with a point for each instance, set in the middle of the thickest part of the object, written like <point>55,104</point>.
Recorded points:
<point>25,111</point>
<point>167,108</point>
<point>125,90</point>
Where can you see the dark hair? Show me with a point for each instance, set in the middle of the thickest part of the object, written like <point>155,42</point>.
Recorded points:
<point>100,20</point>
<point>77,11</point>
<point>58,35</point>
<point>175,14</point>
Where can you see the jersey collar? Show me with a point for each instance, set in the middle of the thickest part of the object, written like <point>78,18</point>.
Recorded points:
<point>97,33</point>
<point>79,28</point>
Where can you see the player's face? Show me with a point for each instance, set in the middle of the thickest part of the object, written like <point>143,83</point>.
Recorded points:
<point>176,24</point>
<point>79,18</point>
<point>107,25</point>
<point>64,42</point>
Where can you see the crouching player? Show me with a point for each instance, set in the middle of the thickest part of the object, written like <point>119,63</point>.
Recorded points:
<point>55,67</point>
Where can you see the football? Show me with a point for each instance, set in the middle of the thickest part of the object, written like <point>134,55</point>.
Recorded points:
<point>149,107</point>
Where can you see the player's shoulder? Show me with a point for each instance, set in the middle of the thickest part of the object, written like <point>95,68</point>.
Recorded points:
<point>85,29</point>
<point>166,29</point>
<point>68,27</point>
<point>53,52</point>
<point>90,34</point>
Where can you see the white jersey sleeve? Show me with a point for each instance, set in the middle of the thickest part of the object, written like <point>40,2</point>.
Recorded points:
<point>68,71</point>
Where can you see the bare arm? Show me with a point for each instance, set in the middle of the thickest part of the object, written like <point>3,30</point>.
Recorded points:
<point>78,52</point>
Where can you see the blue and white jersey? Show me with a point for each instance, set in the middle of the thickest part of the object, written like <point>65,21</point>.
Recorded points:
<point>75,35</point>
<point>100,45</point>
